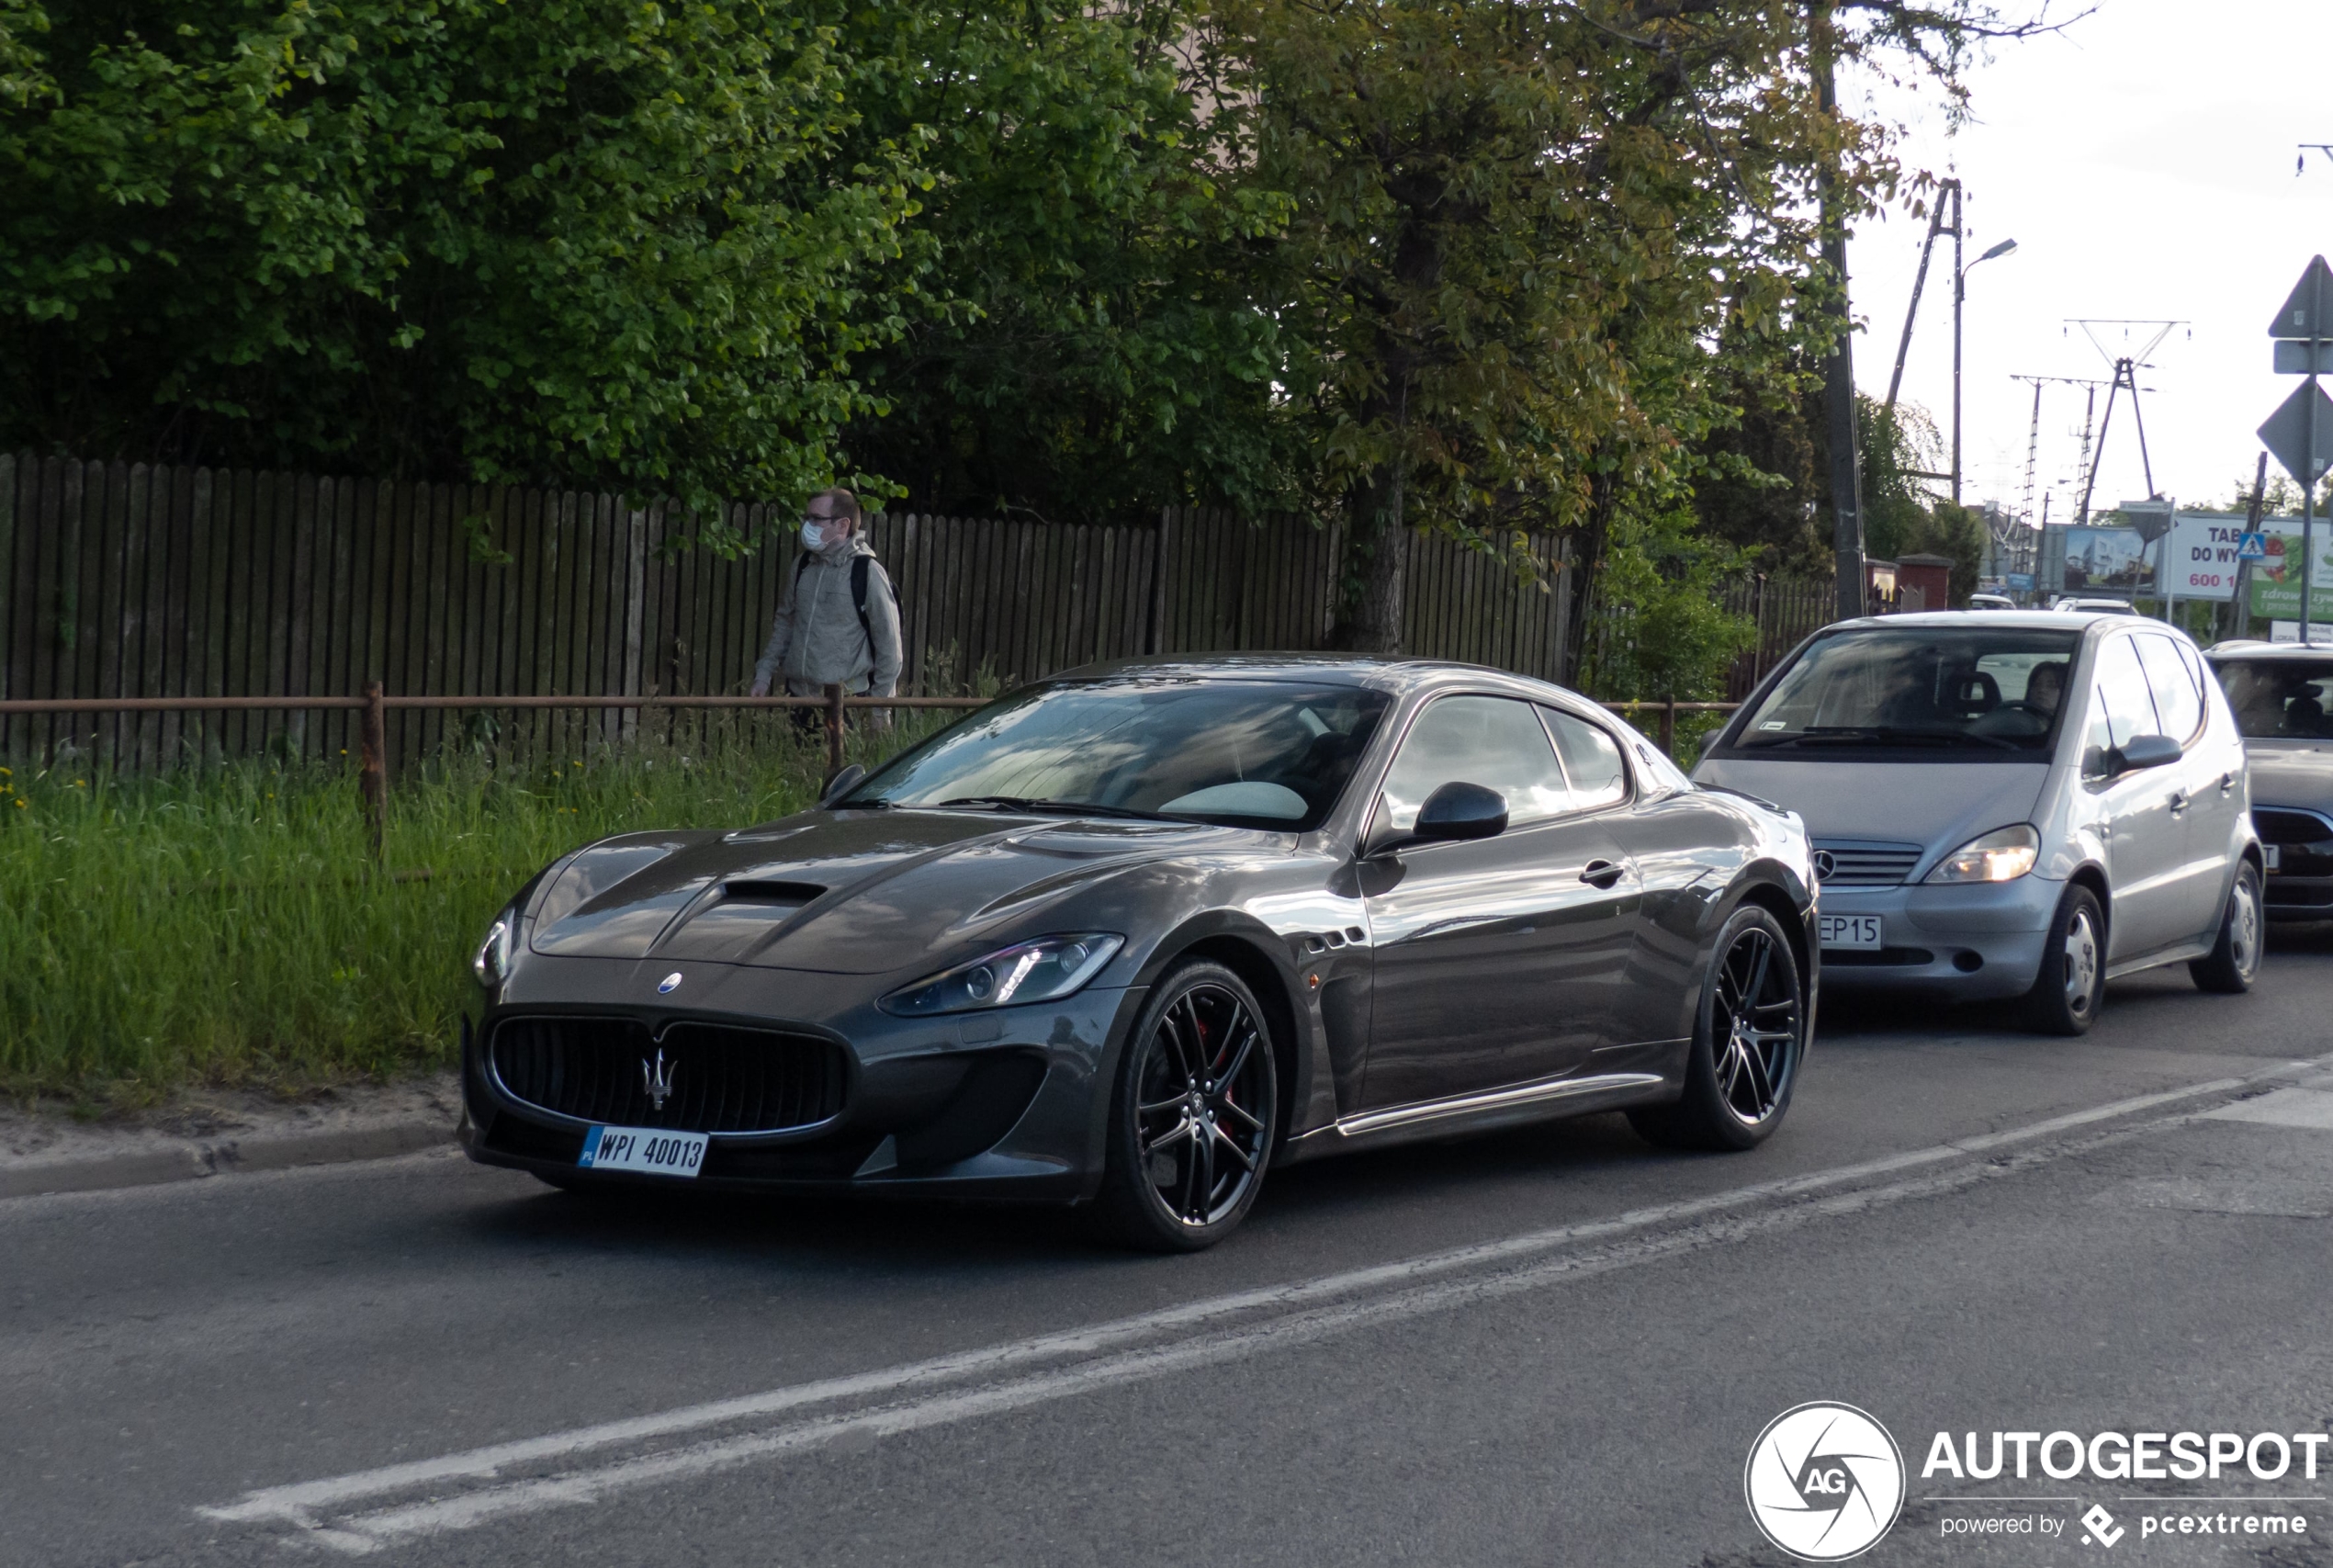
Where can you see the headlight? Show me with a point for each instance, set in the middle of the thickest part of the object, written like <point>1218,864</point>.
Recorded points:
<point>493,960</point>
<point>2003,855</point>
<point>1045,970</point>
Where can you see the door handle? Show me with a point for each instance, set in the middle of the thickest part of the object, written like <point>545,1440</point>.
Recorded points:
<point>2227,785</point>
<point>1602,873</point>
<point>2178,801</point>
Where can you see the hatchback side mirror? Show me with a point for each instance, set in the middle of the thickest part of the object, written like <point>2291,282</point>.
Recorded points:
<point>2144,751</point>
<point>1459,810</point>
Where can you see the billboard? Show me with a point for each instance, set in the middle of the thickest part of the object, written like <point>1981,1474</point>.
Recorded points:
<point>2201,560</point>
<point>2112,560</point>
<point>2276,581</point>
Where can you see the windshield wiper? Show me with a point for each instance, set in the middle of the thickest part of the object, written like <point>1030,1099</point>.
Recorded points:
<point>862,806</point>
<point>1036,806</point>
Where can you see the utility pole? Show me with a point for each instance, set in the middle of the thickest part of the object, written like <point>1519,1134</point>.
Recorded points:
<point>1839,373</point>
<point>1945,190</point>
<point>2032,434</point>
<point>2126,370</point>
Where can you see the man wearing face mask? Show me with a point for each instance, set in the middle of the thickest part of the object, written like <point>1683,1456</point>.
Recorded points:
<point>838,620</point>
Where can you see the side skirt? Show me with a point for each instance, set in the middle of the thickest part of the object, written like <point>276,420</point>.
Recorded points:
<point>1479,1112</point>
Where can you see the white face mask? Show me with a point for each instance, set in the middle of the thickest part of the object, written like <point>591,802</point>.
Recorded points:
<point>814,537</point>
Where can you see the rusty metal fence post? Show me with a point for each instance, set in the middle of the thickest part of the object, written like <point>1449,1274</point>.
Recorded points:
<point>834,727</point>
<point>1669,728</point>
<point>372,773</point>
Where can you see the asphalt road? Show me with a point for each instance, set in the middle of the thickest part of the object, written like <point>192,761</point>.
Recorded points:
<point>1552,1345</point>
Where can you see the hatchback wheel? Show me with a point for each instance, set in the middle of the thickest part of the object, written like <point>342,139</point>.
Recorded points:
<point>1192,1117</point>
<point>2234,962</point>
<point>2071,986</point>
<point>1747,1042</point>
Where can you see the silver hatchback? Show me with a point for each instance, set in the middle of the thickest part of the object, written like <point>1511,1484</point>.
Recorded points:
<point>2010,804</point>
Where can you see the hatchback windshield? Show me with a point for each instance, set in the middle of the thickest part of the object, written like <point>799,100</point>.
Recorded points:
<point>2279,699</point>
<point>1980,692</point>
<point>1251,753</point>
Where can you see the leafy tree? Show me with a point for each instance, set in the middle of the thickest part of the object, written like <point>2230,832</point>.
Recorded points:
<point>1517,229</point>
<point>575,240</point>
<point>1092,345</point>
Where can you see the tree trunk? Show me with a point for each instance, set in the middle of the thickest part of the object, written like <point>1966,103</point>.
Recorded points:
<point>1588,562</point>
<point>1371,621</point>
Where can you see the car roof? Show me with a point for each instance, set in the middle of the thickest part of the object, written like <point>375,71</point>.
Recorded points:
<point>2249,647</point>
<point>2040,620</point>
<point>1382,671</point>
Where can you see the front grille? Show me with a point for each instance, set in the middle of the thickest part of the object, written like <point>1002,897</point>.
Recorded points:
<point>1865,866</point>
<point>2305,842</point>
<point>719,1078</point>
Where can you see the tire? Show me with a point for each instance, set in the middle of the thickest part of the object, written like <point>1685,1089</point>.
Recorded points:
<point>1192,1115</point>
<point>2071,986</point>
<point>1749,1038</point>
<point>2235,961</point>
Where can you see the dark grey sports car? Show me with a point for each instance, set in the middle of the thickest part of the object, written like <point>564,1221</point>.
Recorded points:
<point>1139,933</point>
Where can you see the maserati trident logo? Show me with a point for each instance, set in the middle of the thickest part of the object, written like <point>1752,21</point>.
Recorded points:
<point>1824,865</point>
<point>658,1080</point>
<point>669,984</point>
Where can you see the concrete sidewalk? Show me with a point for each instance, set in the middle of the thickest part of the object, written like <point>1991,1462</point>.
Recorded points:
<point>215,1133</point>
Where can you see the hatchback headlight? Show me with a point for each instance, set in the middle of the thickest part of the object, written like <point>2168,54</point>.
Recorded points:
<point>492,964</point>
<point>2003,855</point>
<point>1045,970</point>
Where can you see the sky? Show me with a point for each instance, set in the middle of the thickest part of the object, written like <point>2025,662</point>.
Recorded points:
<point>2143,160</point>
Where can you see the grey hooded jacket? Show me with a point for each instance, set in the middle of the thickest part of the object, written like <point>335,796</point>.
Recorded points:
<point>816,638</point>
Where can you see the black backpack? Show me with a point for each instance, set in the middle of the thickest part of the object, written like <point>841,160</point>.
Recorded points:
<point>859,576</point>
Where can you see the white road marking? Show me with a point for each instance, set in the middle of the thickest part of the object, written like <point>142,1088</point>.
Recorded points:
<point>2308,1108</point>
<point>1397,1290</point>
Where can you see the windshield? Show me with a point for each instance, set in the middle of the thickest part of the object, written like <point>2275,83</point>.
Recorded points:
<point>2279,699</point>
<point>1251,753</point>
<point>1975,693</point>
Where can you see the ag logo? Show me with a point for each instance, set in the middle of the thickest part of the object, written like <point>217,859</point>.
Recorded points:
<point>1824,1482</point>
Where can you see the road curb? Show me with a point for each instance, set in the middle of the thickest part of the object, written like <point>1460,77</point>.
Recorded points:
<point>196,1160</point>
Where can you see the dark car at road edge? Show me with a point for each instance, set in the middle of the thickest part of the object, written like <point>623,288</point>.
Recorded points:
<point>1223,914</point>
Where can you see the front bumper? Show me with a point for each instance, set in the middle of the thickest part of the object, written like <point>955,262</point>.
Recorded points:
<point>1006,1104</point>
<point>2287,898</point>
<point>1970,943</point>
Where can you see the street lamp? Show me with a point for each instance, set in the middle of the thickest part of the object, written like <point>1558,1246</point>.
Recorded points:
<point>1959,295</point>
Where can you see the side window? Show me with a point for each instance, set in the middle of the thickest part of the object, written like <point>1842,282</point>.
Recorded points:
<point>2178,702</point>
<point>1592,758</point>
<point>1492,742</point>
<point>2121,708</point>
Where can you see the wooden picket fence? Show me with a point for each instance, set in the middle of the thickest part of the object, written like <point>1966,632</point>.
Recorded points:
<point>124,580</point>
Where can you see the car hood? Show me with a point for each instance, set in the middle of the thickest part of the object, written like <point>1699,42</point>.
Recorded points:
<point>847,892</point>
<point>2291,772</point>
<point>1940,807</point>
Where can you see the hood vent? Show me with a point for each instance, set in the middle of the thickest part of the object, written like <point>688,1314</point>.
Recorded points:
<point>732,926</point>
<point>766,894</point>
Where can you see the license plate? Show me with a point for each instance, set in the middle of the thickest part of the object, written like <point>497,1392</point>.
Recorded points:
<point>1860,931</point>
<point>2269,854</point>
<point>644,1149</point>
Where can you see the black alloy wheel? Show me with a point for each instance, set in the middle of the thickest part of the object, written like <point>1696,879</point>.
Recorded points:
<point>1747,1045</point>
<point>1193,1115</point>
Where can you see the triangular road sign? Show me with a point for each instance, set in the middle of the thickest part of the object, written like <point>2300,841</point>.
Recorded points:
<point>2309,313</point>
<point>2286,433</point>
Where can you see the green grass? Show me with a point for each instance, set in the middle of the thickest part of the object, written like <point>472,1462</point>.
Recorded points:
<point>228,925</point>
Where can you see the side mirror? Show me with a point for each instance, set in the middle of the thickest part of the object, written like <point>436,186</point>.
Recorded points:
<point>1461,810</point>
<point>2145,751</point>
<point>842,783</point>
